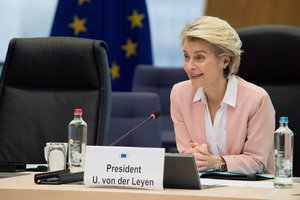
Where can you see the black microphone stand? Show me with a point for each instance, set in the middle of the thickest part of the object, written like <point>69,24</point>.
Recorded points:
<point>130,131</point>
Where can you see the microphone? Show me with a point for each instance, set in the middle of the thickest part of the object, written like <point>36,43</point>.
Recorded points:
<point>152,116</point>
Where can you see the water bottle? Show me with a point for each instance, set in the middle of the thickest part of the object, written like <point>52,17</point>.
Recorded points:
<point>77,131</point>
<point>283,149</point>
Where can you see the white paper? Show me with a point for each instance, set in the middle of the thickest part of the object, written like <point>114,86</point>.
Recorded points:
<point>221,182</point>
<point>124,167</point>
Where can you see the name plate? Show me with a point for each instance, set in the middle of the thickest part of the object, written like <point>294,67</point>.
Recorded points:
<point>132,167</point>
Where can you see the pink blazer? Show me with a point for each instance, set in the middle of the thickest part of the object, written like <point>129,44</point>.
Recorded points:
<point>250,126</point>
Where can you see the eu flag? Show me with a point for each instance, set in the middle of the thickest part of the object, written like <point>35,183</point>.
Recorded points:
<point>122,24</point>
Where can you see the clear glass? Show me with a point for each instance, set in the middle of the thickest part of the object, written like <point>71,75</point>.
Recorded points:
<point>77,143</point>
<point>283,149</point>
<point>55,155</point>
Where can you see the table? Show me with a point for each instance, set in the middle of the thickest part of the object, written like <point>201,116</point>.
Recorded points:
<point>21,186</point>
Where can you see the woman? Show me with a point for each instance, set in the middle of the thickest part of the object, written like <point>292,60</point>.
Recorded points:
<point>225,121</point>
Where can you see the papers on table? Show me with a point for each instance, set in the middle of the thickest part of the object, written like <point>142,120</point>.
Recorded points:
<point>222,182</point>
<point>217,179</point>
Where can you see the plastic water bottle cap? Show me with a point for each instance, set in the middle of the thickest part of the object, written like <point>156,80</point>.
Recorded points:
<point>283,119</point>
<point>77,111</point>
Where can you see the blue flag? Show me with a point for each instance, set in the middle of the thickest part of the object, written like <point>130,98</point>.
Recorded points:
<point>122,24</point>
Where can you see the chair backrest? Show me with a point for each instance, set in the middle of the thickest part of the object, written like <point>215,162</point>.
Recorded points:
<point>129,109</point>
<point>1,66</point>
<point>148,78</point>
<point>42,81</point>
<point>270,59</point>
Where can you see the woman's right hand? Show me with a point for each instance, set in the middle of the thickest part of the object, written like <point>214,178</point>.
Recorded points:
<point>204,159</point>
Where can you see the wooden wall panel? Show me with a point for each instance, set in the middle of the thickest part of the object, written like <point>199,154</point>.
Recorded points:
<point>241,13</point>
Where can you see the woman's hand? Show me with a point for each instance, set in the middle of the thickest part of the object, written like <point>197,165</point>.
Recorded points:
<point>204,159</point>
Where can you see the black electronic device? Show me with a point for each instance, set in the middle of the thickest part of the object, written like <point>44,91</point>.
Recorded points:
<point>58,177</point>
<point>180,171</point>
<point>12,166</point>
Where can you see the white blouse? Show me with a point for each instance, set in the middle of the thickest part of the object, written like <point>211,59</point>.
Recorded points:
<point>216,133</point>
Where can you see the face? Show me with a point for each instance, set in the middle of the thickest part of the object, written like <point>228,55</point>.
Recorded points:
<point>203,67</point>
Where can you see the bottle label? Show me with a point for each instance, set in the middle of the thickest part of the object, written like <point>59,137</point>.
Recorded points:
<point>283,167</point>
<point>75,150</point>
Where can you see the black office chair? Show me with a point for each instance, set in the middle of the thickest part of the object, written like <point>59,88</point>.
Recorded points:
<point>148,78</point>
<point>129,109</point>
<point>1,66</point>
<point>271,60</point>
<point>43,80</point>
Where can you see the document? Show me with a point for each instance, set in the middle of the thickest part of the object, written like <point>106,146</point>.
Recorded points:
<point>222,182</point>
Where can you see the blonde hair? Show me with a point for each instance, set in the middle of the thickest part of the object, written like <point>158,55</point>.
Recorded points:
<point>220,35</point>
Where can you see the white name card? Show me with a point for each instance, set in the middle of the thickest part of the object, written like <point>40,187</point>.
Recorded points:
<point>132,167</point>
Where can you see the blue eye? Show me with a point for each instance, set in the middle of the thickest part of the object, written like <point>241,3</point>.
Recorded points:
<point>186,57</point>
<point>199,57</point>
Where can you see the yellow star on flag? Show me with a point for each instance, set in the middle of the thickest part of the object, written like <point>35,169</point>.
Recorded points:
<point>80,2</point>
<point>129,48</point>
<point>136,19</point>
<point>115,71</point>
<point>78,25</point>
